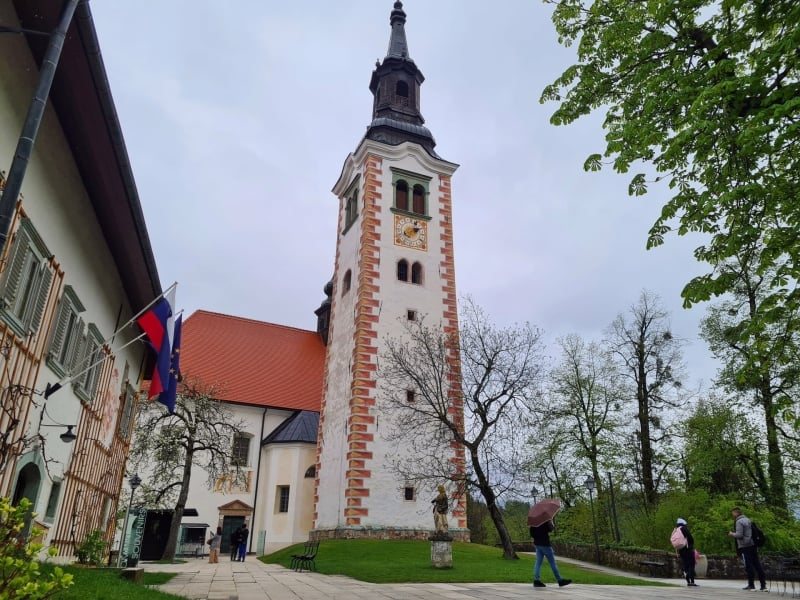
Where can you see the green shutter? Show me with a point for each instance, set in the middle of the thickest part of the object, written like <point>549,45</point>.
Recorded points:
<point>16,266</point>
<point>60,330</point>
<point>39,299</point>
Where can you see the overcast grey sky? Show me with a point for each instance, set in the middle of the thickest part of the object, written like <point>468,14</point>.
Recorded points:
<point>239,115</point>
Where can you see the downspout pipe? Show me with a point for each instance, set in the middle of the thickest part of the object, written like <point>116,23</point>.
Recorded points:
<point>258,476</point>
<point>30,128</point>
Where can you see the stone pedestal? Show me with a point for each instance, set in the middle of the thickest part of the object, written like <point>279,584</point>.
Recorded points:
<point>134,575</point>
<point>442,553</point>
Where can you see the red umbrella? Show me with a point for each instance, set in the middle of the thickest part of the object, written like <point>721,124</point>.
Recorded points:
<point>543,511</point>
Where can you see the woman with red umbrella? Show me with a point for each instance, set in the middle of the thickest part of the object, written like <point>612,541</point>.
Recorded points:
<point>540,518</point>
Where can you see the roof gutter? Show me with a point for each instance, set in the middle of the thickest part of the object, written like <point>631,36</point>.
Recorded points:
<point>88,34</point>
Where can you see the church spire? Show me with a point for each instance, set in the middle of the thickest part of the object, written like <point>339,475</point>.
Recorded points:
<point>398,46</point>
<point>395,86</point>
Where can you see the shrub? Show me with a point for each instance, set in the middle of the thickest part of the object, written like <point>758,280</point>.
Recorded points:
<point>92,550</point>
<point>20,576</point>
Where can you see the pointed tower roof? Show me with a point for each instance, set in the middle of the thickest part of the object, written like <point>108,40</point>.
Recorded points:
<point>398,46</point>
<point>395,86</point>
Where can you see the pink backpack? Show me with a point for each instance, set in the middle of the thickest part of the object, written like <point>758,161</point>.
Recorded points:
<point>677,539</point>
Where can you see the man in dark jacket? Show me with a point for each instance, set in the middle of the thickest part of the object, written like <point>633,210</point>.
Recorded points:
<point>236,538</point>
<point>743,533</point>
<point>544,549</point>
<point>687,552</point>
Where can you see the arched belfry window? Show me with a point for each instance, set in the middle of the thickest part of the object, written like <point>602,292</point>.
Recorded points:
<point>418,203</point>
<point>401,195</point>
<point>411,192</point>
<point>416,273</point>
<point>402,270</point>
<point>401,89</point>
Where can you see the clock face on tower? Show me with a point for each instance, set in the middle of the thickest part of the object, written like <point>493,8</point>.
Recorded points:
<point>410,232</point>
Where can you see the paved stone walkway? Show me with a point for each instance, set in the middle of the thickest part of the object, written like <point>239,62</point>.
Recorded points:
<point>254,580</point>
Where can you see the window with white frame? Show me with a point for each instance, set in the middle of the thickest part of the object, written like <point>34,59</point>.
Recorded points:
<point>67,333</point>
<point>27,280</point>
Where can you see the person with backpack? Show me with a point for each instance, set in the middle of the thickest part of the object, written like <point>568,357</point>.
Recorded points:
<point>743,534</point>
<point>683,542</point>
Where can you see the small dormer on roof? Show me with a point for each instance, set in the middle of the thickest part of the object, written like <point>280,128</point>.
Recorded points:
<point>395,87</point>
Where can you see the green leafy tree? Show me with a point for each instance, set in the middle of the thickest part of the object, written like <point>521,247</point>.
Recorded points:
<point>166,447</point>
<point>758,357</point>
<point>703,95</point>
<point>20,574</point>
<point>721,449</point>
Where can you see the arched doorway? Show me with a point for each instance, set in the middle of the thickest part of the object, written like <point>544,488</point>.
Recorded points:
<point>29,481</point>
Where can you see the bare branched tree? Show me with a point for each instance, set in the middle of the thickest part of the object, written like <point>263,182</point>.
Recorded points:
<point>501,373</point>
<point>166,446</point>
<point>650,359</point>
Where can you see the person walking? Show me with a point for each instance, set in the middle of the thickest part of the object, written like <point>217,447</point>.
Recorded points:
<point>743,534</point>
<point>544,549</point>
<point>686,553</point>
<point>214,544</point>
<point>245,533</point>
<point>236,537</point>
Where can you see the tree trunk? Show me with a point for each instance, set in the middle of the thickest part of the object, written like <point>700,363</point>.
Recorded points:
<point>491,503</point>
<point>177,517</point>
<point>776,496</point>
<point>645,443</point>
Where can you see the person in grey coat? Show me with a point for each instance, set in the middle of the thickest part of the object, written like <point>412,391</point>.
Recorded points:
<point>743,534</point>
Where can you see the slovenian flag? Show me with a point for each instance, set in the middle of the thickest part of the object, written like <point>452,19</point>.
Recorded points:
<point>158,325</point>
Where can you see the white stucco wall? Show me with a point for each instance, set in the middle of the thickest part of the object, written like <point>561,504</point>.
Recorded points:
<point>385,502</point>
<point>59,209</point>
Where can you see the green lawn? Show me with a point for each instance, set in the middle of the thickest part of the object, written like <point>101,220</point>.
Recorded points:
<point>406,561</point>
<point>106,584</point>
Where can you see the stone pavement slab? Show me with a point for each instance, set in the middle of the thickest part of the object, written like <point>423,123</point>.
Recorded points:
<point>254,580</point>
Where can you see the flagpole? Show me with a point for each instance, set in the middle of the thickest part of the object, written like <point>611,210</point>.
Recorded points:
<point>50,389</point>
<point>110,339</point>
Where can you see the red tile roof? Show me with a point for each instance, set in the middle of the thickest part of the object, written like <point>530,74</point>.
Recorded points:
<point>252,362</point>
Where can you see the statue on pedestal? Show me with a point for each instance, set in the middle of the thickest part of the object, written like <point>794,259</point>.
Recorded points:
<point>440,507</point>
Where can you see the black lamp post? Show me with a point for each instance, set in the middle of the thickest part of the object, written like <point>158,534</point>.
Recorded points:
<point>615,528</point>
<point>135,481</point>
<point>590,485</point>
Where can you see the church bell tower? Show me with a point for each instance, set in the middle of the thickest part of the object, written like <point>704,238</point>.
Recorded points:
<point>394,261</point>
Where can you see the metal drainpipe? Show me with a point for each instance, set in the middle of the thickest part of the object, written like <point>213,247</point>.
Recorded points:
<point>258,475</point>
<point>30,128</point>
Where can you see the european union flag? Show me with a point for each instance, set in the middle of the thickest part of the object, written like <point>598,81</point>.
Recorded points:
<point>169,395</point>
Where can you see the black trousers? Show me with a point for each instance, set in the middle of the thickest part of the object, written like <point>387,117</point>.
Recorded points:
<point>687,560</point>
<point>752,565</point>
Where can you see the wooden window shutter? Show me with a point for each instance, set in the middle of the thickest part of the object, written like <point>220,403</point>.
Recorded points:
<point>35,309</point>
<point>16,266</point>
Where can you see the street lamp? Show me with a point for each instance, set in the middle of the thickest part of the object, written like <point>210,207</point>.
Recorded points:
<point>135,481</point>
<point>617,536</point>
<point>589,484</point>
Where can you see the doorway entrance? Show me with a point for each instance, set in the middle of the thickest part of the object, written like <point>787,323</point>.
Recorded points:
<point>229,525</point>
